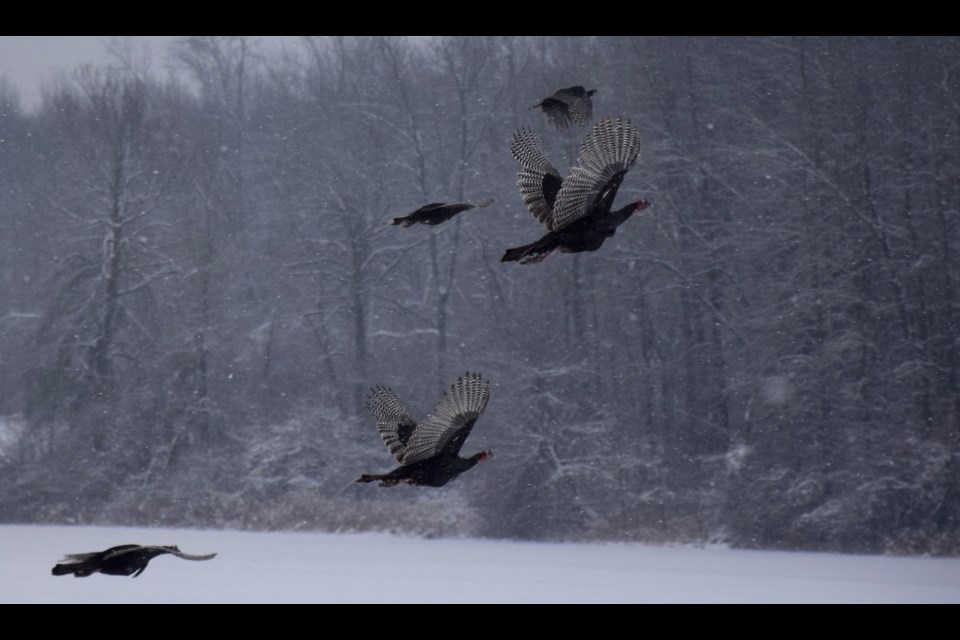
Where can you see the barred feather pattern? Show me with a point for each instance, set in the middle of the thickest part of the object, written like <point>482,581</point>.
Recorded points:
<point>539,181</point>
<point>579,103</point>
<point>394,423</point>
<point>609,149</point>
<point>451,422</point>
<point>566,105</point>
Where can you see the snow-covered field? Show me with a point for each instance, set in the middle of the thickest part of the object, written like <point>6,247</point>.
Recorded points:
<point>315,567</point>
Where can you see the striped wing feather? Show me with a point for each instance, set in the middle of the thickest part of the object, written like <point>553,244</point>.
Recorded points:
<point>558,112</point>
<point>394,423</point>
<point>581,111</point>
<point>539,181</point>
<point>451,422</point>
<point>579,104</point>
<point>607,153</point>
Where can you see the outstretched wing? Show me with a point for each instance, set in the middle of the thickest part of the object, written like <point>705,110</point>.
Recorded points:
<point>568,105</point>
<point>451,422</point>
<point>393,421</point>
<point>539,181</point>
<point>557,110</point>
<point>152,551</point>
<point>607,153</point>
<point>72,558</point>
<point>77,558</point>
<point>579,104</point>
<point>433,206</point>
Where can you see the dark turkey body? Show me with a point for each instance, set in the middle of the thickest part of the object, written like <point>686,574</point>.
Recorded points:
<point>438,212</point>
<point>433,472</point>
<point>586,234</point>
<point>432,214</point>
<point>132,562</point>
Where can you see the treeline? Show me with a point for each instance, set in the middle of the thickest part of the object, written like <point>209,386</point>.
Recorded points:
<point>198,287</point>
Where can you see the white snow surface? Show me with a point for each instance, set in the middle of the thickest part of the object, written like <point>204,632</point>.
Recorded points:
<point>360,568</point>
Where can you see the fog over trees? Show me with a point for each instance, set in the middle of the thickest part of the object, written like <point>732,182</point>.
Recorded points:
<point>198,286</point>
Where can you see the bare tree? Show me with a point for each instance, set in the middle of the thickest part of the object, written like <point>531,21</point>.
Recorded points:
<point>115,160</point>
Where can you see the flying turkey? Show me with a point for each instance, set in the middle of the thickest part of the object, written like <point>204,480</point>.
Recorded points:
<point>429,452</point>
<point>437,212</point>
<point>576,211</point>
<point>123,560</point>
<point>566,105</point>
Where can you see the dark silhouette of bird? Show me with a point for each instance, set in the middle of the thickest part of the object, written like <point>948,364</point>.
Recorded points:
<point>437,212</point>
<point>122,560</point>
<point>576,211</point>
<point>566,105</point>
<point>429,452</point>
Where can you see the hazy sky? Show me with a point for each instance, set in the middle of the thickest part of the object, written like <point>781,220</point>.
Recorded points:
<point>30,62</point>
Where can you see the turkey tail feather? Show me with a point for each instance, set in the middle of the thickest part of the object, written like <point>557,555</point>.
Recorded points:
<point>512,255</point>
<point>532,253</point>
<point>65,569</point>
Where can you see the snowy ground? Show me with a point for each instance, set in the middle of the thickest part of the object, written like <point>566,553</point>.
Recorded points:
<point>314,567</point>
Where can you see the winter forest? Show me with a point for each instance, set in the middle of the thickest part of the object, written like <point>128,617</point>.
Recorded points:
<point>198,288</point>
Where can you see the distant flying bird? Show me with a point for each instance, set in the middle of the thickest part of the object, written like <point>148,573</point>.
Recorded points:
<point>572,103</point>
<point>123,560</point>
<point>429,452</point>
<point>576,211</point>
<point>437,212</point>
